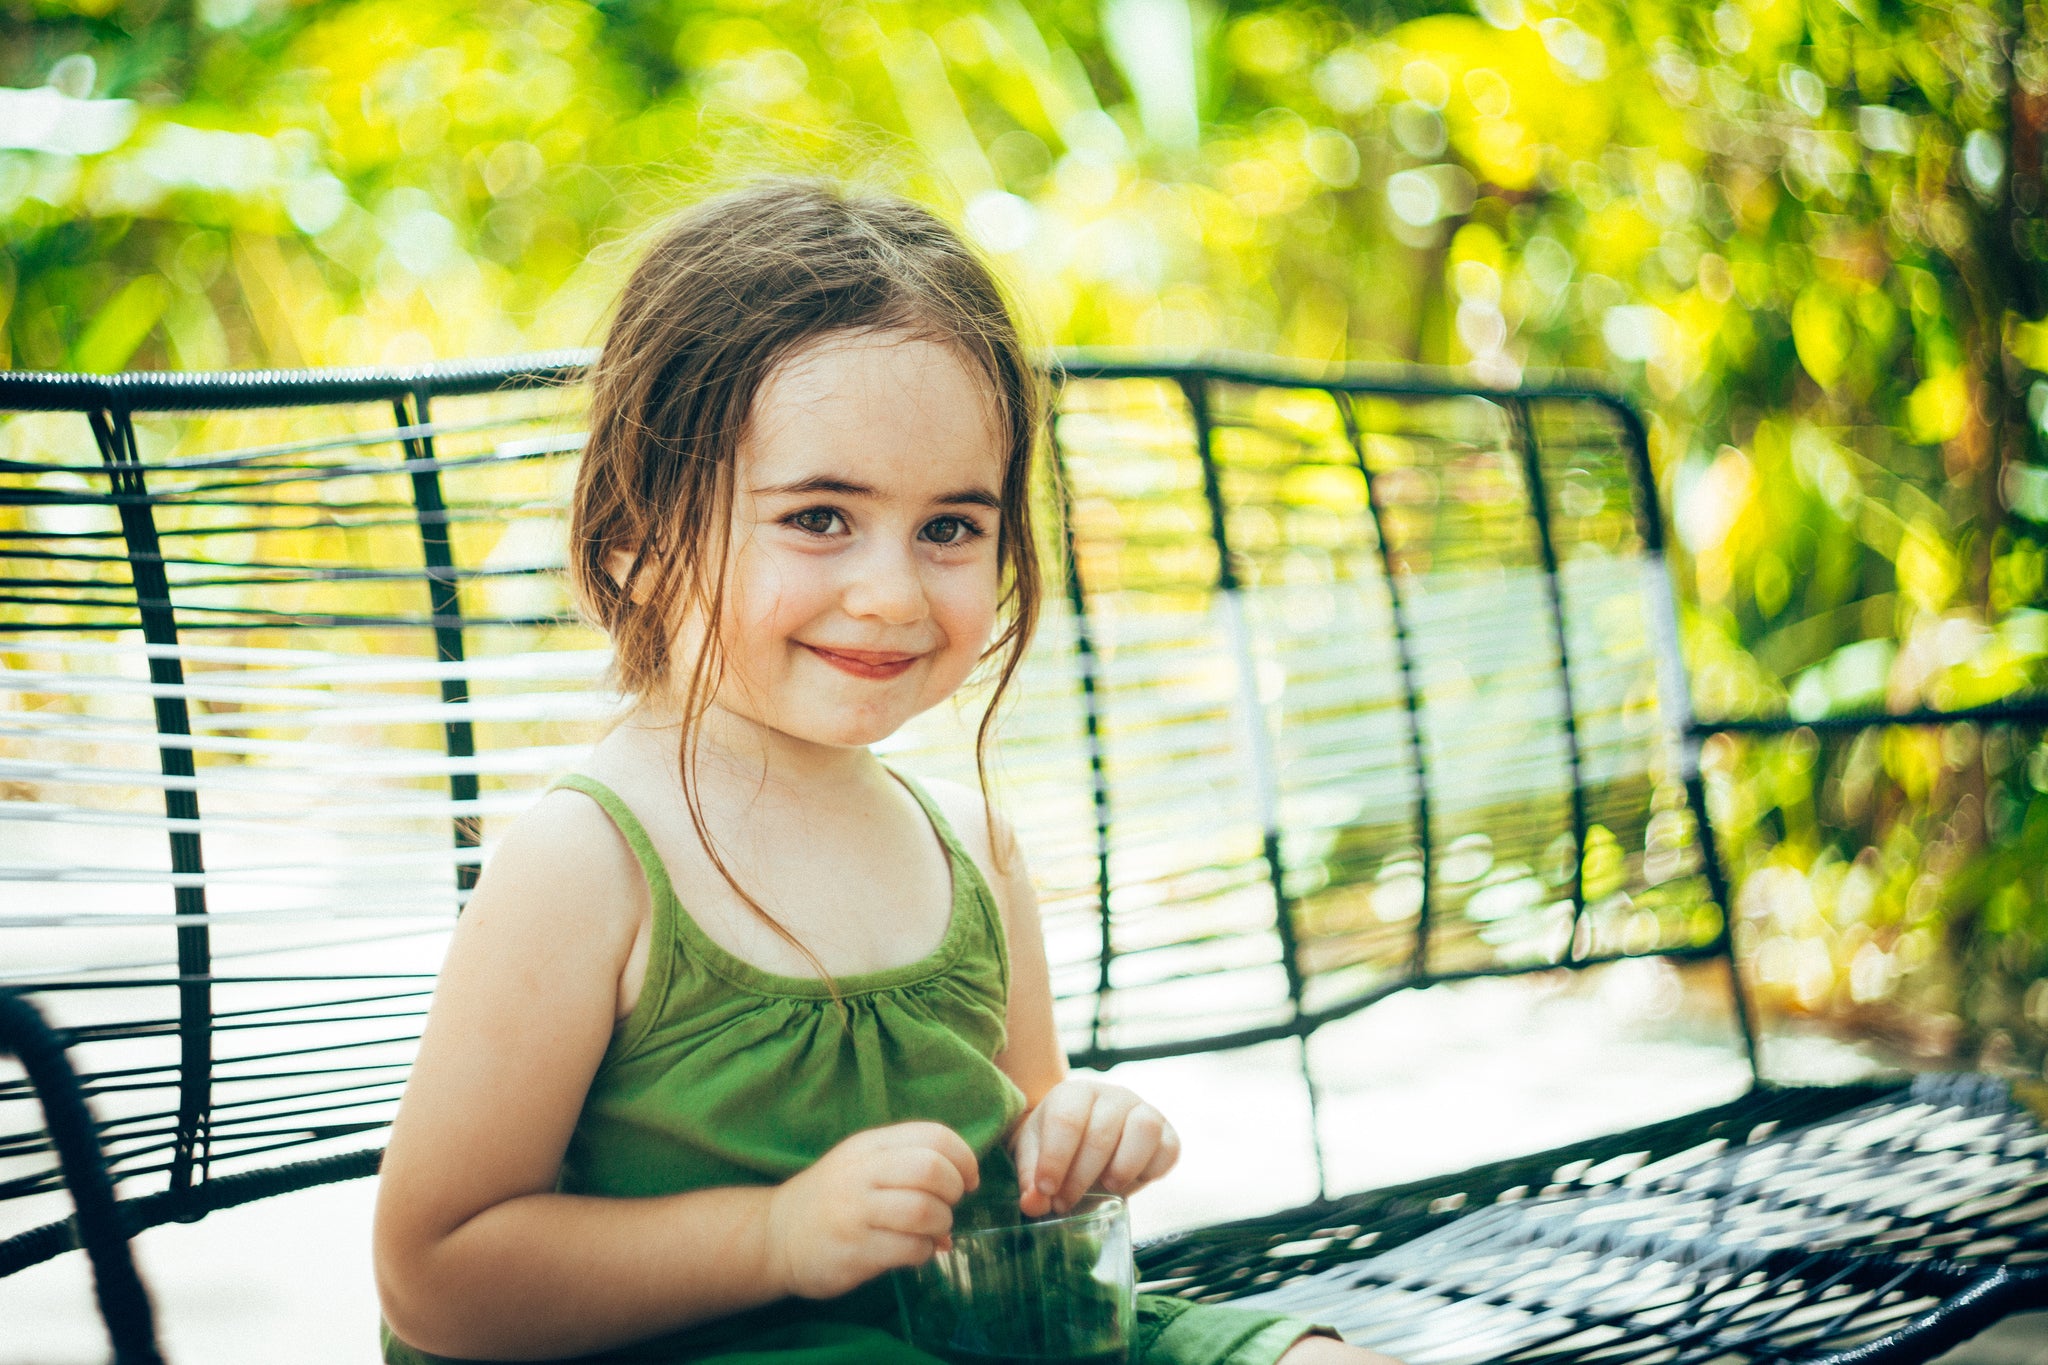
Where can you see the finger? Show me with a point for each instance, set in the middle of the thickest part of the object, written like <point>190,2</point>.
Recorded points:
<point>1105,1132</point>
<point>1162,1161</point>
<point>1144,1128</point>
<point>911,1212</point>
<point>1025,1157</point>
<point>921,1169</point>
<point>1062,1127</point>
<point>939,1138</point>
<point>889,1250</point>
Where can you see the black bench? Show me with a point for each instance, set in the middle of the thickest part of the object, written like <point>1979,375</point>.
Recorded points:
<point>1358,682</point>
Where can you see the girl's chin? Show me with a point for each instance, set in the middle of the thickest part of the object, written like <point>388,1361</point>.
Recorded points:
<point>841,711</point>
<point>847,737</point>
<point>841,728</point>
<point>836,727</point>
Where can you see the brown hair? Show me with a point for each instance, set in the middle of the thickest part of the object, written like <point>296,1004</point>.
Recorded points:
<point>731,288</point>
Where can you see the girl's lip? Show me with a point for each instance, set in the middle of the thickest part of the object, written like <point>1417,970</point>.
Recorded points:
<point>863,663</point>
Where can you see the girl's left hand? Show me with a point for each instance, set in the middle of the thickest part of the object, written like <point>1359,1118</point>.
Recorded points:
<point>1086,1133</point>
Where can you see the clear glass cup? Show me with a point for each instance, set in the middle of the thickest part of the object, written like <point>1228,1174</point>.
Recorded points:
<point>1028,1293</point>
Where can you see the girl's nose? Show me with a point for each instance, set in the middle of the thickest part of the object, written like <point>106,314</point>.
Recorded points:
<point>886,584</point>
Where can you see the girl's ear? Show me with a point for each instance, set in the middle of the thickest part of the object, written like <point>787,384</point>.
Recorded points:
<point>619,564</point>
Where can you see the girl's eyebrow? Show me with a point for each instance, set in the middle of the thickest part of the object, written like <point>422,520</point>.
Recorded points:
<point>847,488</point>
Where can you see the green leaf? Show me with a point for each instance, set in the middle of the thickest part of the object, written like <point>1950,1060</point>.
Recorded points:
<point>118,330</point>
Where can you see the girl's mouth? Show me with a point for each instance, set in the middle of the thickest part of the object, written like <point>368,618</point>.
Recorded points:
<point>862,663</point>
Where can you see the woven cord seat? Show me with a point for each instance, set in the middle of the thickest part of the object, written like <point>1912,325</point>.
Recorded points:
<point>1884,1231</point>
<point>1357,682</point>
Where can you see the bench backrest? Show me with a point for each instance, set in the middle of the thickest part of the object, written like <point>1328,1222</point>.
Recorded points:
<point>1349,683</point>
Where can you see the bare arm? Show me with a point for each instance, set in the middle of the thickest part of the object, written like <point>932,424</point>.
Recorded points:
<point>1032,1057</point>
<point>475,1253</point>
<point>1080,1132</point>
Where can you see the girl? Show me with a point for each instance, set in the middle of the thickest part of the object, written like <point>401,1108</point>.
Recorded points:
<point>737,1015</point>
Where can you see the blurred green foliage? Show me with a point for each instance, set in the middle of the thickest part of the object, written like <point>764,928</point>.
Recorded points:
<point>1807,232</point>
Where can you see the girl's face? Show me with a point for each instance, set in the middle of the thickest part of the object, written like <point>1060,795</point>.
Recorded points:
<point>863,579</point>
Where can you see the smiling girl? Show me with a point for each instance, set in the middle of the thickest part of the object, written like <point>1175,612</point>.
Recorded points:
<point>737,1015</point>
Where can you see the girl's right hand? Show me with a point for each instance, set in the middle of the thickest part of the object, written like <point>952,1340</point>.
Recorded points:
<point>883,1198</point>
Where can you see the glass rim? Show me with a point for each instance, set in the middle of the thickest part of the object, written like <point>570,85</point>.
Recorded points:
<point>1091,1207</point>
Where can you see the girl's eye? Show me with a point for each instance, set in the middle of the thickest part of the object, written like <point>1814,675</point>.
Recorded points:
<point>951,531</point>
<point>818,521</point>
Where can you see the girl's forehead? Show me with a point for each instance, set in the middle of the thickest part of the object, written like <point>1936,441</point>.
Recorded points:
<point>911,408</point>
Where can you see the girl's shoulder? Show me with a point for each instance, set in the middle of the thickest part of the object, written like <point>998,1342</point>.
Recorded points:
<point>966,812</point>
<point>560,893</point>
<point>986,835</point>
<point>561,824</point>
<point>560,851</point>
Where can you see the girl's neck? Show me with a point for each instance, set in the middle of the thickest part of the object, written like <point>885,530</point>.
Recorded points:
<point>732,747</point>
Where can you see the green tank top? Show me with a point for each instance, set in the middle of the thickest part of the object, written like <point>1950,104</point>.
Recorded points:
<point>725,1074</point>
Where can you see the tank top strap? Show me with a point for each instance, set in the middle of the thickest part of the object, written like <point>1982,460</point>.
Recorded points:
<point>651,867</point>
<point>967,879</point>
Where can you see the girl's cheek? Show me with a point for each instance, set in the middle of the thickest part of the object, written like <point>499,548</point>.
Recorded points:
<point>774,591</point>
<point>969,600</point>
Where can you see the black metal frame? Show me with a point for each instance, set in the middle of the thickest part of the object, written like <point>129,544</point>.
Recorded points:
<point>1195,380</point>
<point>111,400</point>
<point>124,1303</point>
